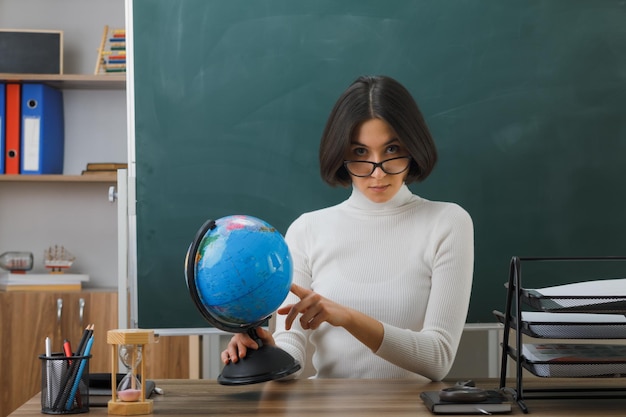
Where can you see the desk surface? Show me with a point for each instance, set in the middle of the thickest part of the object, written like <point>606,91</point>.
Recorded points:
<point>355,397</point>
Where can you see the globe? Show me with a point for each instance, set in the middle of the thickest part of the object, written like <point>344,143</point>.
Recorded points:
<point>242,272</point>
<point>238,272</point>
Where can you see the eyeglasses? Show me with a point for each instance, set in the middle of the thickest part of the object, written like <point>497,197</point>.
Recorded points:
<point>391,166</point>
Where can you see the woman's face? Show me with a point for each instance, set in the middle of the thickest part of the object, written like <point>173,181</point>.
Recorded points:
<point>375,141</point>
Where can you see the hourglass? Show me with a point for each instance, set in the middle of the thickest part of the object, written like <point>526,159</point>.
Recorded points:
<point>129,388</point>
<point>129,396</point>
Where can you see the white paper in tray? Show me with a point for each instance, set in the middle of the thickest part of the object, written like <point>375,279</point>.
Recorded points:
<point>576,325</point>
<point>595,288</point>
<point>614,288</point>
<point>566,359</point>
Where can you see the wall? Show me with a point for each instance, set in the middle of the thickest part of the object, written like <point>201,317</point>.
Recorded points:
<point>82,22</point>
<point>77,216</point>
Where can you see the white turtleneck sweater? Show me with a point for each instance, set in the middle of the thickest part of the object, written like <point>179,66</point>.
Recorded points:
<point>407,262</point>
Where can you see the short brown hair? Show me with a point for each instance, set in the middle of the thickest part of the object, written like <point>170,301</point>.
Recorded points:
<point>375,97</point>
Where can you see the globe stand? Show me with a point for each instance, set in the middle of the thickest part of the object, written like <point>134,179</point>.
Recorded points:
<point>267,363</point>
<point>264,364</point>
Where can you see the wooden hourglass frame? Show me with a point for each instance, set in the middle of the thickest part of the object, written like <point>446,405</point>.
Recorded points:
<point>138,338</point>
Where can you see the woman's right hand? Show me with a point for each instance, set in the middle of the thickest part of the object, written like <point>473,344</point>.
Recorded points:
<point>241,342</point>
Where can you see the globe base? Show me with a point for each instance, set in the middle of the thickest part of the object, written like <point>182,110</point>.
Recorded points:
<point>267,363</point>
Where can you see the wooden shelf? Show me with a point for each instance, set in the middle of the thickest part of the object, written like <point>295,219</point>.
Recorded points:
<point>71,81</point>
<point>58,178</point>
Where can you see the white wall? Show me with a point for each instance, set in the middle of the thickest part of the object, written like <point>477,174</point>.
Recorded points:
<point>77,216</point>
<point>82,22</point>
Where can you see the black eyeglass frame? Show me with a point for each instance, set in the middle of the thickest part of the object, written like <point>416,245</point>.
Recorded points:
<point>378,165</point>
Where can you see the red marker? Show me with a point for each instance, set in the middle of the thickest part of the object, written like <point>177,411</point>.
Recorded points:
<point>67,349</point>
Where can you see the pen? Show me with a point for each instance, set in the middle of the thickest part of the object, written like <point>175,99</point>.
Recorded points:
<point>49,370</point>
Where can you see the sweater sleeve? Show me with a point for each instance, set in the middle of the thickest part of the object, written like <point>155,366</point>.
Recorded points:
<point>294,341</point>
<point>431,351</point>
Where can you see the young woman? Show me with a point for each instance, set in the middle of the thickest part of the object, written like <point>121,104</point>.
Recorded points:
<point>382,281</point>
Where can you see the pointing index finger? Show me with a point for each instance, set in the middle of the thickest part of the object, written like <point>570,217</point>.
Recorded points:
<point>299,291</point>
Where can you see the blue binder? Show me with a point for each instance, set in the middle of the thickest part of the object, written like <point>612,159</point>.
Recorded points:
<point>42,137</point>
<point>2,122</point>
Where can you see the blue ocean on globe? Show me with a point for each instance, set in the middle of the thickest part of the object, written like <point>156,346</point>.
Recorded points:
<point>243,270</point>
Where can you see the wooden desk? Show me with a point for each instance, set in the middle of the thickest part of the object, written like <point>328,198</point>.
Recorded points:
<point>346,398</point>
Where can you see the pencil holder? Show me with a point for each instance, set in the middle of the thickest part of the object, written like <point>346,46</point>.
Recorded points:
<point>64,384</point>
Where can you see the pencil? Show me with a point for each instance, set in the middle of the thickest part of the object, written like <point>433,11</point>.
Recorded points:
<point>70,376</point>
<point>83,340</point>
<point>79,375</point>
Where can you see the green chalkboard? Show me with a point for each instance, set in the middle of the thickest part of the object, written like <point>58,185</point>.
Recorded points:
<point>526,100</point>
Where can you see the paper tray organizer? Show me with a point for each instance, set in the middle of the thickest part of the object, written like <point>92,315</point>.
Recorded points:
<point>574,303</point>
<point>543,327</point>
<point>588,310</point>
<point>612,365</point>
<point>575,360</point>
